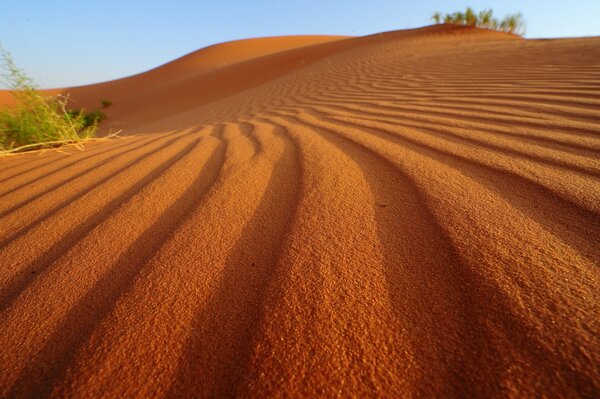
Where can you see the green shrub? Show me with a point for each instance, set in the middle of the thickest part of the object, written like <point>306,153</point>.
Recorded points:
<point>513,23</point>
<point>90,119</point>
<point>93,118</point>
<point>106,103</point>
<point>37,121</point>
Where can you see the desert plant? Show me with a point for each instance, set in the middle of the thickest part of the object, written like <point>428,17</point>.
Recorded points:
<point>36,120</point>
<point>513,23</point>
<point>106,103</point>
<point>92,118</point>
<point>457,18</point>
<point>470,17</point>
<point>486,19</point>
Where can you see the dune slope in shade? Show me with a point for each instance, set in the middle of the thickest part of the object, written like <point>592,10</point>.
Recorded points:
<point>413,213</point>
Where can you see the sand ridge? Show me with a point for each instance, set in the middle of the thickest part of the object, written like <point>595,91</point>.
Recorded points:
<point>412,213</point>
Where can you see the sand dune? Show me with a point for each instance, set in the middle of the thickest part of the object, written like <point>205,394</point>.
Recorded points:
<point>413,213</point>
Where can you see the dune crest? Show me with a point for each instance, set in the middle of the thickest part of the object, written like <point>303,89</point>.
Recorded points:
<point>412,213</point>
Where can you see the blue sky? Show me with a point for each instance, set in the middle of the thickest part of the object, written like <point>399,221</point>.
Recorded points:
<point>64,43</point>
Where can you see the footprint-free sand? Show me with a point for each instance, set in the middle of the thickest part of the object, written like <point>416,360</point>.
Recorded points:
<point>412,213</point>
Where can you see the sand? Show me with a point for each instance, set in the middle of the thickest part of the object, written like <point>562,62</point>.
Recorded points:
<point>409,214</point>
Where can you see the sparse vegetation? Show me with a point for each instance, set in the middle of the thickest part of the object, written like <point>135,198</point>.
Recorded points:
<point>513,23</point>
<point>36,120</point>
<point>106,103</point>
<point>90,119</point>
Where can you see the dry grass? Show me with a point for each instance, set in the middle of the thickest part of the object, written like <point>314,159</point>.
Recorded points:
<point>39,121</point>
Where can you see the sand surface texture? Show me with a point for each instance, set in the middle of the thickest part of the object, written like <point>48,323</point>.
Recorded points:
<point>414,213</point>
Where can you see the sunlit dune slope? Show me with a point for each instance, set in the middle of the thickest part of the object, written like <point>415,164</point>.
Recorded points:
<point>191,65</point>
<point>408,214</point>
<point>192,80</point>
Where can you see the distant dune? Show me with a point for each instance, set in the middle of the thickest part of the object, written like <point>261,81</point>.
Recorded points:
<point>407,214</point>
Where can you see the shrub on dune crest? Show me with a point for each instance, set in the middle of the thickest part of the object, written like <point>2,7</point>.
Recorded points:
<point>513,23</point>
<point>38,121</point>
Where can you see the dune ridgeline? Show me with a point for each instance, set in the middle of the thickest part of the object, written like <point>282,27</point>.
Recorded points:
<point>407,214</point>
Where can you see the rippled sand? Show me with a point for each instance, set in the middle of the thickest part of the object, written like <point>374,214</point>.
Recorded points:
<point>413,213</point>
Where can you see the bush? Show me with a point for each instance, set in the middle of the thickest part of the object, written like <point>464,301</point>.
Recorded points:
<point>89,118</point>
<point>513,23</point>
<point>36,120</point>
<point>106,103</point>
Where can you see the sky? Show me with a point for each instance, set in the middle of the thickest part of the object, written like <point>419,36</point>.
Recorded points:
<point>66,43</point>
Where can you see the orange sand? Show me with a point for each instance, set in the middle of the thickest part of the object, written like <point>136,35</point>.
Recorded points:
<point>413,213</point>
